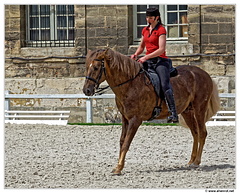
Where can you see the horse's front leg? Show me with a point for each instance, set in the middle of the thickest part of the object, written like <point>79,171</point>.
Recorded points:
<point>129,132</point>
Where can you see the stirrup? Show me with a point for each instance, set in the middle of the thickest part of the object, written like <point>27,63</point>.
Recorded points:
<point>156,112</point>
<point>172,119</point>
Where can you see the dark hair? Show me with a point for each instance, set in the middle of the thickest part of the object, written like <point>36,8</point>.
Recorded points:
<point>152,11</point>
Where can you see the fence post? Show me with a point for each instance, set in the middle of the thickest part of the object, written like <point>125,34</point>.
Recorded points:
<point>6,103</point>
<point>89,110</point>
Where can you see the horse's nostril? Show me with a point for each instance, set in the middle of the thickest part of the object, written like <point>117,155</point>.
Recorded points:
<point>87,91</point>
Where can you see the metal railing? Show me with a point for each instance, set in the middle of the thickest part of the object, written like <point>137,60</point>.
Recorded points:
<point>89,114</point>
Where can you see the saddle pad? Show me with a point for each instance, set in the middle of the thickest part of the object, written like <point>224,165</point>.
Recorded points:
<point>153,77</point>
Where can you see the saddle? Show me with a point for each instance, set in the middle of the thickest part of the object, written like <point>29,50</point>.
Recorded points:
<point>149,67</point>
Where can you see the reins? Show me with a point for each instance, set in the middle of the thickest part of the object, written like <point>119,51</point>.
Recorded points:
<point>103,90</point>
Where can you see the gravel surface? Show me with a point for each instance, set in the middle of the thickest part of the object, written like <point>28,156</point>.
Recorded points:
<point>43,156</point>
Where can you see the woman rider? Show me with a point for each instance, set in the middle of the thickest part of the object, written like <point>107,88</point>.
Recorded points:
<point>154,39</point>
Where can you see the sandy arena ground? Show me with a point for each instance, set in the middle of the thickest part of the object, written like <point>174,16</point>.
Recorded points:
<point>42,156</point>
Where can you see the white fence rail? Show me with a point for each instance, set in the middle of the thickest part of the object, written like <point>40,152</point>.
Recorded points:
<point>89,117</point>
<point>37,117</point>
<point>220,118</point>
<point>223,118</point>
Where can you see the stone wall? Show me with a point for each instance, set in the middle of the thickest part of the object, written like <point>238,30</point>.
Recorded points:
<point>108,26</point>
<point>104,110</point>
<point>212,31</point>
<point>39,71</point>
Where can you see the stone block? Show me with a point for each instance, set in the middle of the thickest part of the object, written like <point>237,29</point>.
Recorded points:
<point>220,39</point>
<point>97,42</point>
<point>230,48</point>
<point>229,8</point>
<point>213,69</point>
<point>217,18</point>
<point>231,70</point>
<point>209,28</point>
<point>112,42</point>
<point>80,23</point>
<point>122,10</point>
<point>122,22</point>
<point>121,32</point>
<point>111,21</point>
<point>102,32</point>
<point>80,42</point>
<point>213,49</point>
<point>205,39</point>
<point>95,21</point>
<point>179,49</point>
<point>212,8</point>
<point>194,29</point>
<point>193,9</point>
<point>108,10</point>
<point>92,11</point>
<point>225,83</point>
<point>10,36</point>
<point>14,11</point>
<point>226,28</point>
<point>193,18</point>
<point>14,25</point>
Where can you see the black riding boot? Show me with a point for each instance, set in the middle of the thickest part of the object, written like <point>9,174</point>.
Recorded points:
<point>173,118</point>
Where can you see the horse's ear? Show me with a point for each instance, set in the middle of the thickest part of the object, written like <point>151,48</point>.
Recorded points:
<point>106,54</point>
<point>114,48</point>
<point>105,51</point>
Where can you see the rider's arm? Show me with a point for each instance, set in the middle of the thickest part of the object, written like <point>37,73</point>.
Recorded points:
<point>139,50</point>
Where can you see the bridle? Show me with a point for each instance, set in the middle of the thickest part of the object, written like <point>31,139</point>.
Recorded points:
<point>102,70</point>
<point>99,75</point>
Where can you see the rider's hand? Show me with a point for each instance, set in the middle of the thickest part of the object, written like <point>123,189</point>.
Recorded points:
<point>134,57</point>
<point>142,59</point>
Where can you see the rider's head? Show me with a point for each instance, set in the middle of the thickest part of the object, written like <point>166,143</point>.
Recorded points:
<point>153,12</point>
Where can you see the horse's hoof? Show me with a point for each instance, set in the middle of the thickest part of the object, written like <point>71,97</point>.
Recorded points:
<point>190,162</point>
<point>193,165</point>
<point>116,172</point>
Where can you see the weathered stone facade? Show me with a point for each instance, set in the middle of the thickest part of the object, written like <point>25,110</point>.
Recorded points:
<point>211,31</point>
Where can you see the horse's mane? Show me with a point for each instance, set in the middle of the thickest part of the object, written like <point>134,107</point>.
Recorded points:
<point>124,63</point>
<point>118,61</point>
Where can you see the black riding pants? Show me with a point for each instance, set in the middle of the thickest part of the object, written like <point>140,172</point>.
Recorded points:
<point>163,71</point>
<point>162,67</point>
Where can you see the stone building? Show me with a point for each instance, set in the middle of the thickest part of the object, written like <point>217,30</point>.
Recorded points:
<point>44,45</point>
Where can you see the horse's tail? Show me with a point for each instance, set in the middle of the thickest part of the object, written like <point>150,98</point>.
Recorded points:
<point>213,104</point>
<point>212,109</point>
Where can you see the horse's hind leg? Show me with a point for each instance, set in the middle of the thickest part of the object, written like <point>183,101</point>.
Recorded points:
<point>190,120</point>
<point>202,134</point>
<point>195,120</point>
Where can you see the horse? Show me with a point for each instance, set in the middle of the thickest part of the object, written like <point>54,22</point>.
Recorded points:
<point>195,94</point>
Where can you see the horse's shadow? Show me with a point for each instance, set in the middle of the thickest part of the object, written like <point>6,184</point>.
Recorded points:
<point>206,168</point>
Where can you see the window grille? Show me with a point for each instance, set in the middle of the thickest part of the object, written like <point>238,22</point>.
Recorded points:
<point>50,26</point>
<point>174,18</point>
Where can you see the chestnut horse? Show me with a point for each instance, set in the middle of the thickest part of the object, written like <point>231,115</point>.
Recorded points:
<point>196,97</point>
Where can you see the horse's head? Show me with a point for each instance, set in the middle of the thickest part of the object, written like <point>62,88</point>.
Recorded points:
<point>95,71</point>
